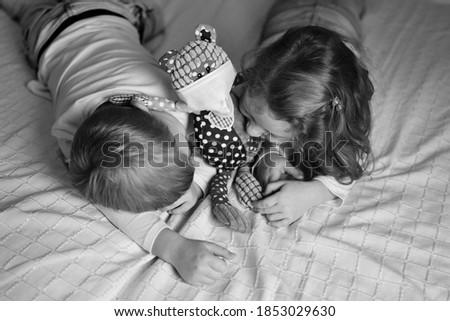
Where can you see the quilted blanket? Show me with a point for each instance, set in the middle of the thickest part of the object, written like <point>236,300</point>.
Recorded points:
<point>389,241</point>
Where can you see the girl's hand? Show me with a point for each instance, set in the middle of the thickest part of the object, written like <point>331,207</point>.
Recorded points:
<point>287,201</point>
<point>273,167</point>
<point>185,202</point>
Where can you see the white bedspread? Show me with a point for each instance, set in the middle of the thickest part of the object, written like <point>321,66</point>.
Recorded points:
<point>390,240</point>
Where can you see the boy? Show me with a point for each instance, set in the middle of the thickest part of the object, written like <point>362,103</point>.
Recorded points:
<point>91,64</point>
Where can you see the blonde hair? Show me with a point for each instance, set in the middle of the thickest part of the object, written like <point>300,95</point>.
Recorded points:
<point>125,158</point>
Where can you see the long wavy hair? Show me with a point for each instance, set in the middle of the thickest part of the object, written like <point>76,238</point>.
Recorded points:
<point>311,78</point>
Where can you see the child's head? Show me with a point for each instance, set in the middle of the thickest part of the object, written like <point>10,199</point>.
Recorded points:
<point>128,159</point>
<point>309,87</point>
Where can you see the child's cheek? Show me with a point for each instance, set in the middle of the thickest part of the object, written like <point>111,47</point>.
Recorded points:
<point>239,121</point>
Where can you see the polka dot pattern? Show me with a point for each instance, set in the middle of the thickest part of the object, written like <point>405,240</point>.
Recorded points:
<point>219,189</point>
<point>144,102</point>
<point>222,148</point>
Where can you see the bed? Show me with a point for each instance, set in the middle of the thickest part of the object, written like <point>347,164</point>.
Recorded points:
<point>389,241</point>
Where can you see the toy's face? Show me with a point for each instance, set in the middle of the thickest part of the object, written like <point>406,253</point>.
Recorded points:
<point>194,61</point>
<point>201,73</point>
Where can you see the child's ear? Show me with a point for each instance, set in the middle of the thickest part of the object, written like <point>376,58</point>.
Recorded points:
<point>167,61</point>
<point>205,33</point>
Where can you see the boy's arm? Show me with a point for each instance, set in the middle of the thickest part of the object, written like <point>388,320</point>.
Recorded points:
<point>199,188</point>
<point>203,172</point>
<point>142,228</point>
<point>197,262</point>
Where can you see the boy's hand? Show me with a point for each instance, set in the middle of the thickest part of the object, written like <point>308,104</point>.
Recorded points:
<point>197,262</point>
<point>185,202</point>
<point>200,262</point>
<point>287,201</point>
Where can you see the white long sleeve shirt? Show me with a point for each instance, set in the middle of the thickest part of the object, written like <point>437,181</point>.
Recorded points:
<point>84,66</point>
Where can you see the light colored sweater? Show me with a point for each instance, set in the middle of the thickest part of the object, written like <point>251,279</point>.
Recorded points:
<point>86,64</point>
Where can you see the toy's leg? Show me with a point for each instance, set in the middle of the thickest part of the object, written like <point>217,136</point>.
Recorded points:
<point>221,206</point>
<point>248,187</point>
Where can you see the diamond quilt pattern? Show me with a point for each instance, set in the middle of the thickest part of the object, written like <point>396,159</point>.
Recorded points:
<point>389,241</point>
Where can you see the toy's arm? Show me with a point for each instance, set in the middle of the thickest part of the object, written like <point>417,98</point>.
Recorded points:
<point>156,103</point>
<point>203,172</point>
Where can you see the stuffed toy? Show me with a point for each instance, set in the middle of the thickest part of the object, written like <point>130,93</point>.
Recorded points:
<point>203,76</point>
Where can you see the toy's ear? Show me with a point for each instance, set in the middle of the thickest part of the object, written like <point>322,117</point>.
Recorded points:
<point>167,61</point>
<point>205,33</point>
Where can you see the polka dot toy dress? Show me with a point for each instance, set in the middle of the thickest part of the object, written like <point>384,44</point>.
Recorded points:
<point>203,76</point>
<point>221,148</point>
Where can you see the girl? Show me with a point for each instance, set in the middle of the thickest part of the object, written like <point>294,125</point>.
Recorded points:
<point>309,92</point>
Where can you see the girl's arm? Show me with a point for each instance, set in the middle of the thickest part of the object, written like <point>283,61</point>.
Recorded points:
<point>287,197</point>
<point>339,190</point>
<point>287,200</point>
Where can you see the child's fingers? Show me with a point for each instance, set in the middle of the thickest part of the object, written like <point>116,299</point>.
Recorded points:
<point>270,210</point>
<point>273,187</point>
<point>220,251</point>
<point>215,270</point>
<point>294,172</point>
<point>204,280</point>
<point>182,208</point>
<point>281,223</point>
<point>276,216</point>
<point>219,265</point>
<point>266,202</point>
<point>274,176</point>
